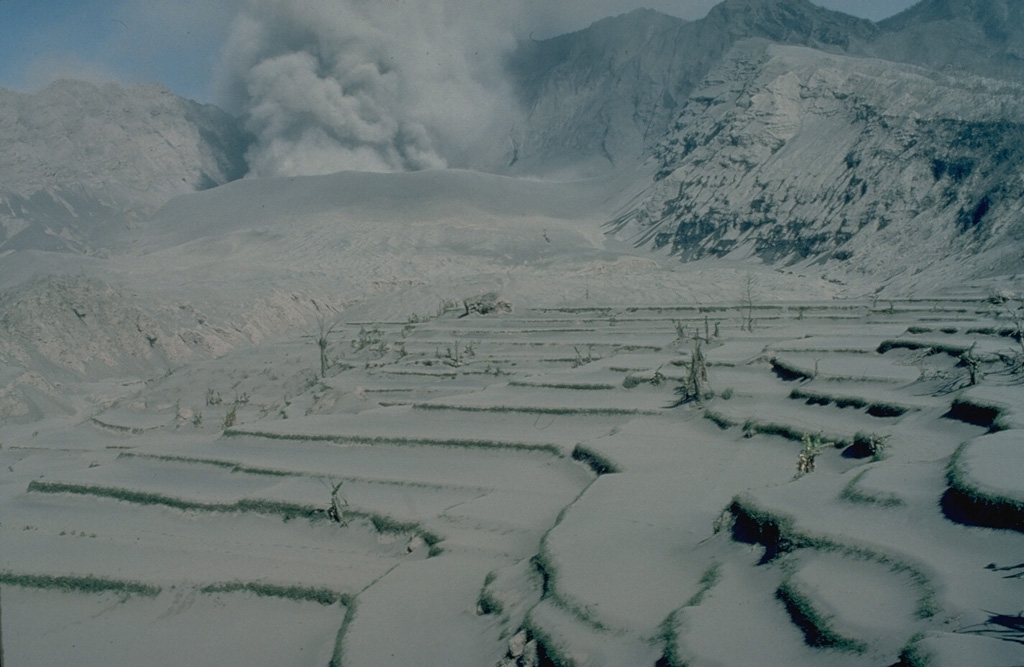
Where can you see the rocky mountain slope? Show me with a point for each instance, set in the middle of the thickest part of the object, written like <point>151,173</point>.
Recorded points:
<point>607,95</point>
<point>790,154</point>
<point>79,158</point>
<point>983,37</point>
<point>86,159</point>
<point>870,143</point>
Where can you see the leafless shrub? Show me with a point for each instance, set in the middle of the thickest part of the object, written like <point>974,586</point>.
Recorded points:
<point>696,386</point>
<point>813,446</point>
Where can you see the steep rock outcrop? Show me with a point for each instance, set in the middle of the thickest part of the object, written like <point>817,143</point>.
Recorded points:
<point>606,95</point>
<point>597,98</point>
<point>790,154</point>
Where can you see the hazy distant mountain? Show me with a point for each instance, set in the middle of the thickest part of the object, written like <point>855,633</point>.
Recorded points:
<point>788,22</point>
<point>599,97</point>
<point>78,155</point>
<point>983,37</point>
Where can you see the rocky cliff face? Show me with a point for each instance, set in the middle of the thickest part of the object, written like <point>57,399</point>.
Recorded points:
<point>885,147</point>
<point>790,154</point>
<point>80,157</point>
<point>605,96</point>
<point>598,98</point>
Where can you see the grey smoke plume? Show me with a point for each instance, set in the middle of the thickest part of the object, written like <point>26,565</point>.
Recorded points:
<point>390,85</point>
<point>379,85</point>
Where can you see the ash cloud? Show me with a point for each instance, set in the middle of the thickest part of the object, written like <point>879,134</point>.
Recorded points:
<point>390,85</point>
<point>373,85</point>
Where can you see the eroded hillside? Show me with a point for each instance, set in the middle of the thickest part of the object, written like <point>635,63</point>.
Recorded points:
<point>789,154</point>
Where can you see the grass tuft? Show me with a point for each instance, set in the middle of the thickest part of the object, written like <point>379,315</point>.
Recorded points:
<point>875,409</point>
<point>217,463</point>
<point>720,420</point>
<point>752,427</point>
<point>337,660</point>
<point>600,464</point>
<point>543,563</point>
<point>790,372</point>
<point>752,525</point>
<point>867,445</point>
<point>852,494</point>
<point>708,580</point>
<point>932,347</point>
<point>672,654</point>
<point>399,441</point>
<point>486,602</point>
<point>778,535</point>
<point>116,428</point>
<point>549,652</point>
<point>79,584</point>
<point>971,412</point>
<point>537,410</point>
<point>573,386</point>
<point>968,505</point>
<point>913,654</point>
<point>816,627</point>
<point>287,511</point>
<point>322,596</point>
<point>387,525</point>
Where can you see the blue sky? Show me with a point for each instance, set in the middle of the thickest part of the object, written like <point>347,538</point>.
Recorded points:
<point>178,44</point>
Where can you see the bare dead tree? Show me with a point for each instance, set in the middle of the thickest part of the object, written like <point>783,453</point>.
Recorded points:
<point>1012,306</point>
<point>972,363</point>
<point>1015,311</point>
<point>321,341</point>
<point>748,295</point>
<point>336,512</point>
<point>324,329</point>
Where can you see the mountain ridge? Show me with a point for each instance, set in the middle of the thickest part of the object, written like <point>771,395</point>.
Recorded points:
<point>981,37</point>
<point>84,155</point>
<point>88,160</point>
<point>588,118</point>
<point>792,155</point>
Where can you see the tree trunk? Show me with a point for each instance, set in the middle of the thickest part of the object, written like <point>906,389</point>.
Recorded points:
<point>1,632</point>
<point>323,355</point>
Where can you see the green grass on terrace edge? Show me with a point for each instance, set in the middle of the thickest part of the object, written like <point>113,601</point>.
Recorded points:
<point>778,534</point>
<point>288,511</point>
<point>398,441</point>
<point>79,584</point>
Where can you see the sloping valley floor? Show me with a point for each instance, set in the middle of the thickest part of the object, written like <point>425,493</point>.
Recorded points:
<point>517,489</point>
